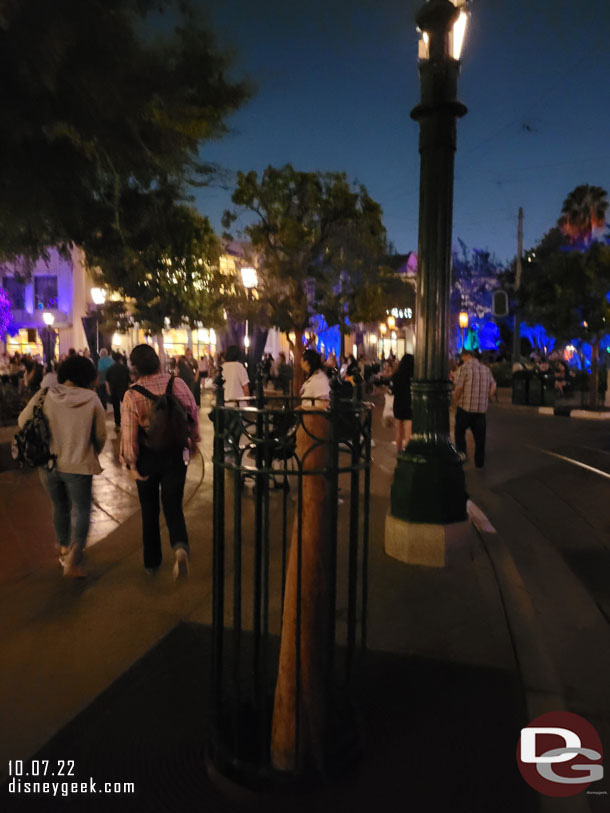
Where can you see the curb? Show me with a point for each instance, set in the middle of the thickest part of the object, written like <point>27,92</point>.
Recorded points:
<point>568,412</point>
<point>539,678</point>
<point>538,674</point>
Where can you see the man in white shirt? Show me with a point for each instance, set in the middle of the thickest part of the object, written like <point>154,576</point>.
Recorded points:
<point>235,375</point>
<point>473,386</point>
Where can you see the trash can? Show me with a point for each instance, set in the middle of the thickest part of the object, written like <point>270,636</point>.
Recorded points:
<point>534,397</point>
<point>521,386</point>
<point>548,390</point>
<point>289,584</point>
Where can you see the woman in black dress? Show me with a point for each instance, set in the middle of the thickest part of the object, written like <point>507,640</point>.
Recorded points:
<point>401,387</point>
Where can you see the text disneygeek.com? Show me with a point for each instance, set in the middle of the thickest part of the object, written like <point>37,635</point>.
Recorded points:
<point>57,778</point>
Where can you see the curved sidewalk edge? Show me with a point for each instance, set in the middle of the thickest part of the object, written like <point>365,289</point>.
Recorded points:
<point>541,684</point>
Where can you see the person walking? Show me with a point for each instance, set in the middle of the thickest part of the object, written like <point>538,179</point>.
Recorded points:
<point>156,471</point>
<point>473,386</point>
<point>237,381</point>
<point>118,380</point>
<point>103,365</point>
<point>401,389</point>
<point>78,433</point>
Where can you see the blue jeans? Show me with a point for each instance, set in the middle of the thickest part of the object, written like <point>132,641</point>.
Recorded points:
<point>71,498</point>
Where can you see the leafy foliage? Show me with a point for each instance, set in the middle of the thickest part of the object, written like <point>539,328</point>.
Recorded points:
<point>101,121</point>
<point>565,290</point>
<point>583,210</point>
<point>169,280</point>
<point>320,243</point>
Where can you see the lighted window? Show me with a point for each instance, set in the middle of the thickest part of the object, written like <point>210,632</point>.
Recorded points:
<point>45,292</point>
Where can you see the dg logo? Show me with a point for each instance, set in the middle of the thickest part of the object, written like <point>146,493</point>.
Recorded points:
<point>560,754</point>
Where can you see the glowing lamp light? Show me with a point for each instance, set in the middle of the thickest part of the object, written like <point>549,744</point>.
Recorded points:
<point>458,34</point>
<point>455,40</point>
<point>391,322</point>
<point>247,342</point>
<point>383,328</point>
<point>249,277</point>
<point>373,338</point>
<point>463,320</point>
<point>48,318</point>
<point>116,340</point>
<point>98,295</point>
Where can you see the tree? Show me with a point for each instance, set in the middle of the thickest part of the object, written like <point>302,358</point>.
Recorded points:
<point>583,210</point>
<point>320,243</point>
<point>100,114</point>
<point>170,277</point>
<point>566,291</point>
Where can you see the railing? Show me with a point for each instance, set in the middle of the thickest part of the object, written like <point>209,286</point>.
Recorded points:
<point>291,527</point>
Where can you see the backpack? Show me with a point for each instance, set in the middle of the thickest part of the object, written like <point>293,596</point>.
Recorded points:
<point>169,428</point>
<point>32,445</point>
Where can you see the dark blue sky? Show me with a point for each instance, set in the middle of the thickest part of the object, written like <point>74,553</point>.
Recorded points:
<point>337,80</point>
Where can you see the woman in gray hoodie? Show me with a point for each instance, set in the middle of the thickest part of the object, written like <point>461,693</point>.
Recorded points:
<point>78,433</point>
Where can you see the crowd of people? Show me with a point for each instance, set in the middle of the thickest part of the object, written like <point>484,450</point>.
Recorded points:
<point>156,415</point>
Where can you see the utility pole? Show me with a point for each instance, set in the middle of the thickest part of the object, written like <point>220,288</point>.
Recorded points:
<point>517,331</point>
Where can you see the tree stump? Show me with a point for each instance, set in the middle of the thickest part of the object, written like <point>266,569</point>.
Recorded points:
<point>295,746</point>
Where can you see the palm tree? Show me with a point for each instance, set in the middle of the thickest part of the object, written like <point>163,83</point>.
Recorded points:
<point>583,210</point>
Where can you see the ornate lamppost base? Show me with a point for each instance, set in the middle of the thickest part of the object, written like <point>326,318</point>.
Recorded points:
<point>422,543</point>
<point>428,516</point>
<point>429,485</point>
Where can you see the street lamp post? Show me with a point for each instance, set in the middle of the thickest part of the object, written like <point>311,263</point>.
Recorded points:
<point>463,320</point>
<point>429,485</point>
<point>98,295</point>
<point>249,277</point>
<point>48,336</point>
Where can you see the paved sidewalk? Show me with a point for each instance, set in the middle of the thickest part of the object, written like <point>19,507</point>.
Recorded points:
<point>113,672</point>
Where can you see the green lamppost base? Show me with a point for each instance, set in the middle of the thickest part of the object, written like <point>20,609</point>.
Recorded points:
<point>429,485</point>
<point>428,522</point>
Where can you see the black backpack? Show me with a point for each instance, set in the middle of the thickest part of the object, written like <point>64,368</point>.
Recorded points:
<point>32,445</point>
<point>169,428</point>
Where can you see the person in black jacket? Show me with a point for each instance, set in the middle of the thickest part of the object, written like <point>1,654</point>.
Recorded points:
<point>117,383</point>
<point>401,387</point>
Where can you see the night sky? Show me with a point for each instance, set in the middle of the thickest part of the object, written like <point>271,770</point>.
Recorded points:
<point>336,81</point>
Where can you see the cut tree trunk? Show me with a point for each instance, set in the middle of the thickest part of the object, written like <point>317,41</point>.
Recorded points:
<point>298,745</point>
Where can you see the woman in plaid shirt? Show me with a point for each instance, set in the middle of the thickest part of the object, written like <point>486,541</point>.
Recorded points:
<point>165,472</point>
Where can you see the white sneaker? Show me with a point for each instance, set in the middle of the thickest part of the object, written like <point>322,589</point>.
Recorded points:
<point>181,565</point>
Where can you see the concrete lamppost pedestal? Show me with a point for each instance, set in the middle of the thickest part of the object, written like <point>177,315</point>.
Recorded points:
<point>428,498</point>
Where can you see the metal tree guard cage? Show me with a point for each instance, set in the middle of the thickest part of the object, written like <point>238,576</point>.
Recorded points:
<point>291,527</point>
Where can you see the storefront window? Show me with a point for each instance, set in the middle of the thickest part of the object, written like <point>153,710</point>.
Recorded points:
<point>24,341</point>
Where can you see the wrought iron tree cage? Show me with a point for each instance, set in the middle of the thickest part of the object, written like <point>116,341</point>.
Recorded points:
<point>291,527</point>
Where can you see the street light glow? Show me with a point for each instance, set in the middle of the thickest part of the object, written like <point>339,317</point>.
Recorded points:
<point>98,295</point>
<point>463,319</point>
<point>454,42</point>
<point>458,34</point>
<point>48,318</point>
<point>249,277</point>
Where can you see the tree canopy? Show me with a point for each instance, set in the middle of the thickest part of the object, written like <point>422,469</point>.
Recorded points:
<point>170,278</point>
<point>320,243</point>
<point>583,211</point>
<point>102,117</point>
